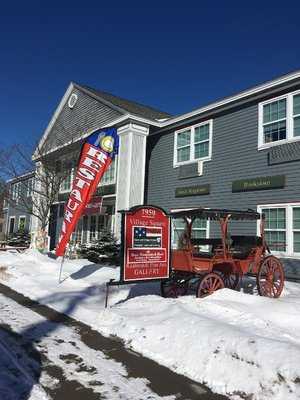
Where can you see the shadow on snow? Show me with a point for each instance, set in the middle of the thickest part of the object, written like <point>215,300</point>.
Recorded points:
<point>20,362</point>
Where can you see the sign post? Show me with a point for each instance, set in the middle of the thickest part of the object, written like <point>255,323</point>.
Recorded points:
<point>145,246</point>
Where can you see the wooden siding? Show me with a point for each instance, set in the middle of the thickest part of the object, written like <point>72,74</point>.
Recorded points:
<point>234,156</point>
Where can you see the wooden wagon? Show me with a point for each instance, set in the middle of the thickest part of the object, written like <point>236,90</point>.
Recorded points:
<point>221,262</point>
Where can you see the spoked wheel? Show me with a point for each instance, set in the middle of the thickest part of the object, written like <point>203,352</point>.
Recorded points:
<point>231,281</point>
<point>209,284</point>
<point>270,277</point>
<point>174,287</point>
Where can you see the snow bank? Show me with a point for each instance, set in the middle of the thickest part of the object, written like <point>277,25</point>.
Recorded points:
<point>236,343</point>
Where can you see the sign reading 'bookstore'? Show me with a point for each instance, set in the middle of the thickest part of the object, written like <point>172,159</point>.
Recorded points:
<point>146,244</point>
<point>259,183</point>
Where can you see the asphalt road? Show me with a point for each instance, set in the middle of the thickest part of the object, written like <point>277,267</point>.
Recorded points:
<point>69,360</point>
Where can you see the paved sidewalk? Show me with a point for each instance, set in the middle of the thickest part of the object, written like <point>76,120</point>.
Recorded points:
<point>81,363</point>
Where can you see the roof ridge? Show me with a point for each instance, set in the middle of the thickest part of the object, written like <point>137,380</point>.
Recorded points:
<point>132,101</point>
<point>126,104</point>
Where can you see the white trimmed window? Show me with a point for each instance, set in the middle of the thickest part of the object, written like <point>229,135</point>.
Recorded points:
<point>93,227</point>
<point>66,184</point>
<point>296,229</point>
<point>200,230</point>
<point>282,228</point>
<point>279,120</point>
<point>16,191</point>
<point>90,227</point>
<point>296,115</point>
<point>110,176</point>
<point>29,187</point>
<point>22,223</point>
<point>193,143</point>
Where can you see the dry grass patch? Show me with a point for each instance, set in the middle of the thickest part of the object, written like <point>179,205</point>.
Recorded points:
<point>4,275</point>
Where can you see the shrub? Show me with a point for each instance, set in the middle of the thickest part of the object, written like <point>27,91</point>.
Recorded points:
<point>103,249</point>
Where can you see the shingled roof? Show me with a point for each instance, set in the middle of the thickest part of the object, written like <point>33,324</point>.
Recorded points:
<point>129,106</point>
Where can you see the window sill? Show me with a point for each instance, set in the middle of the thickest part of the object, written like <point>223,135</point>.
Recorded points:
<point>106,184</point>
<point>277,143</point>
<point>285,255</point>
<point>176,165</point>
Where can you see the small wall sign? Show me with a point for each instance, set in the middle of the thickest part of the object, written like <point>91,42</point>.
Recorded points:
<point>94,206</point>
<point>192,190</point>
<point>259,183</point>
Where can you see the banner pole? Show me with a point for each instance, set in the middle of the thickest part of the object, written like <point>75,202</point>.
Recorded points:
<point>60,270</point>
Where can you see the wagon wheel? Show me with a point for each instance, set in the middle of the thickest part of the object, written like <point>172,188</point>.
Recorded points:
<point>231,281</point>
<point>270,277</point>
<point>209,284</point>
<point>174,287</point>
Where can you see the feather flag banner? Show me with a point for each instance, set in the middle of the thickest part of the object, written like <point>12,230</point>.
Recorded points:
<point>98,151</point>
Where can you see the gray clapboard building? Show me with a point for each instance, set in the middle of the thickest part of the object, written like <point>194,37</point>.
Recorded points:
<point>81,111</point>
<point>16,208</point>
<point>239,152</point>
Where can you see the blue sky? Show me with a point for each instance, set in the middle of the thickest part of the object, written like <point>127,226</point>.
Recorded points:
<point>173,57</point>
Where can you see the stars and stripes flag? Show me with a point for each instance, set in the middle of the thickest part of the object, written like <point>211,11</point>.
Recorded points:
<point>141,232</point>
<point>147,236</point>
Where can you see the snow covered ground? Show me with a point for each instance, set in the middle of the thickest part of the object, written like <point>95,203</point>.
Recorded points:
<point>237,343</point>
<point>24,334</point>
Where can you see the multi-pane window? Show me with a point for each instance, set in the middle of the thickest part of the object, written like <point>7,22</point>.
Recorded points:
<point>296,114</point>
<point>79,231</point>
<point>68,170</point>
<point>85,221</point>
<point>90,227</point>
<point>101,224</point>
<point>178,226</point>
<point>184,146</point>
<point>282,228</point>
<point>66,183</point>
<point>274,121</point>
<point>296,229</point>
<point>15,191</point>
<point>201,141</point>
<point>109,177</point>
<point>193,143</point>
<point>29,187</point>
<point>275,228</point>
<point>22,224</point>
<point>279,119</point>
<point>93,231</point>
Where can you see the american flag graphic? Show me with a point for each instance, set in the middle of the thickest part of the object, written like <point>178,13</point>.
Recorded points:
<point>147,236</point>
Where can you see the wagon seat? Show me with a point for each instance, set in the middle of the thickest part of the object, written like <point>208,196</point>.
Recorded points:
<point>211,243</point>
<point>241,246</point>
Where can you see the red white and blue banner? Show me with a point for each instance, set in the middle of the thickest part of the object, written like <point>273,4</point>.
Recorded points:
<point>97,153</point>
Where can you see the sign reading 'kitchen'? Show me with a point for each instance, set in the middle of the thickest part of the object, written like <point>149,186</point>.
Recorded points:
<point>191,191</point>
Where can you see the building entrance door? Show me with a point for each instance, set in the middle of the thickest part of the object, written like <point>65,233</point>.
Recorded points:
<point>11,225</point>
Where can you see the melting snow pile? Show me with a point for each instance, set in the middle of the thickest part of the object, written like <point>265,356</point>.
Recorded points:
<point>239,344</point>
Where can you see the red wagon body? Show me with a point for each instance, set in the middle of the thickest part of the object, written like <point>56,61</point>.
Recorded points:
<point>225,259</point>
